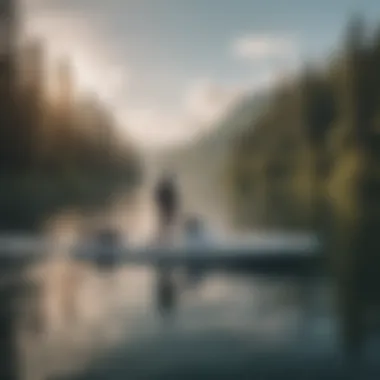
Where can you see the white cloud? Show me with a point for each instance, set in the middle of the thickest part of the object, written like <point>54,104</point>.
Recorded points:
<point>257,47</point>
<point>203,103</point>
<point>206,101</point>
<point>273,58</point>
<point>153,127</point>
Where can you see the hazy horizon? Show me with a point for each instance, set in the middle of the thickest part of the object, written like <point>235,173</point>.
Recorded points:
<point>170,69</point>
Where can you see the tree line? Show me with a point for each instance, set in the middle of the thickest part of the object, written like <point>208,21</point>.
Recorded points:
<point>54,144</point>
<point>312,162</point>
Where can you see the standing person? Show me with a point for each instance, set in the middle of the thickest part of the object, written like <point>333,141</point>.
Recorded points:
<point>167,201</point>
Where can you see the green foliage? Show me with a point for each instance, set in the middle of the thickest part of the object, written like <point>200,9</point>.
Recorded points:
<point>316,154</point>
<point>54,152</point>
<point>302,143</point>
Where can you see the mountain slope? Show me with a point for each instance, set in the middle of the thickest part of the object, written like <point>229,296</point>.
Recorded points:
<point>200,165</point>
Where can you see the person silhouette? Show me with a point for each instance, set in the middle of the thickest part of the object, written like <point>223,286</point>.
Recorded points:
<point>167,201</point>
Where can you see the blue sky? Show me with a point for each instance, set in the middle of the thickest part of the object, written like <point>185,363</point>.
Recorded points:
<point>172,67</point>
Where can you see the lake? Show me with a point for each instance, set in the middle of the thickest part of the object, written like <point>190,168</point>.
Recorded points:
<point>82,323</point>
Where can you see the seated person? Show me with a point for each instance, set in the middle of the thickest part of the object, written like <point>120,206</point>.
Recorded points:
<point>195,231</point>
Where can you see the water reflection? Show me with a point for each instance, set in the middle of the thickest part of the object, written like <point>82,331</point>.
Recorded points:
<point>85,312</point>
<point>75,315</point>
<point>166,291</point>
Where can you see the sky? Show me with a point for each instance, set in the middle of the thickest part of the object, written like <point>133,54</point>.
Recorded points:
<point>169,69</point>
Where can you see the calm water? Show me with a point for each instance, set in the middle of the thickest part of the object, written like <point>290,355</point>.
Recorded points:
<point>88,315</point>
<point>83,323</point>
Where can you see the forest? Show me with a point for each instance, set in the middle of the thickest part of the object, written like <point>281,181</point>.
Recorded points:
<point>311,162</point>
<point>57,148</point>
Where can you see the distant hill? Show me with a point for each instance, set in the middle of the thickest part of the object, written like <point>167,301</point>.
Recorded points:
<point>200,164</point>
